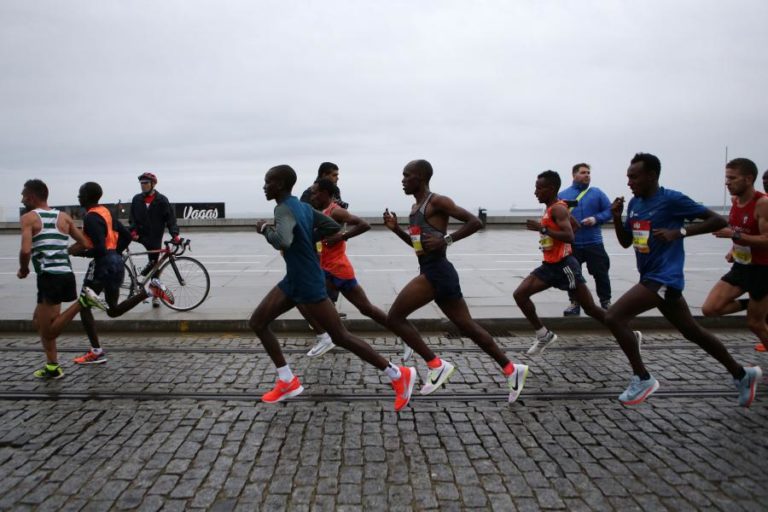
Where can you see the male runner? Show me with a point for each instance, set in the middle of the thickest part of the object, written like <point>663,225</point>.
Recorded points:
<point>655,227</point>
<point>106,239</point>
<point>339,273</point>
<point>330,171</point>
<point>438,279</point>
<point>304,283</point>
<point>44,236</point>
<point>748,228</point>
<point>151,213</point>
<point>559,268</point>
<point>591,208</point>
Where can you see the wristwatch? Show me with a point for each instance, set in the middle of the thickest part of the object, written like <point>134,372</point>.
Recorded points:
<point>683,232</point>
<point>543,230</point>
<point>448,239</point>
<point>736,235</point>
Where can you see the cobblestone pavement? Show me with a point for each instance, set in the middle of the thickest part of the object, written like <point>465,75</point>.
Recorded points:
<point>567,444</point>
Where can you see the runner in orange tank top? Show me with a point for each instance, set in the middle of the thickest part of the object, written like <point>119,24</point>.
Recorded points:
<point>748,230</point>
<point>339,273</point>
<point>559,269</point>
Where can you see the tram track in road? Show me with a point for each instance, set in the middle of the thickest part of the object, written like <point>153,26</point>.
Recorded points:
<point>382,350</point>
<point>446,396</point>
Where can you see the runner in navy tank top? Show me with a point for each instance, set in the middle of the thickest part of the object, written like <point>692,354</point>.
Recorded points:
<point>438,279</point>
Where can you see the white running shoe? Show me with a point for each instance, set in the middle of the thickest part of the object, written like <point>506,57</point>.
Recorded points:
<point>437,377</point>
<point>323,345</point>
<point>541,343</point>
<point>516,381</point>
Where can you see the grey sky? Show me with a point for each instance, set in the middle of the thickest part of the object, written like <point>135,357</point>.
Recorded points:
<point>210,94</point>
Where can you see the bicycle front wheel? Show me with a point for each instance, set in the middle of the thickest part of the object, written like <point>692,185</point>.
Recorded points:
<point>187,280</point>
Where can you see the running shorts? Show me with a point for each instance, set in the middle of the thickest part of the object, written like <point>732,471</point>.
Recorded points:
<point>444,279</point>
<point>753,279</point>
<point>56,288</point>
<point>563,275</point>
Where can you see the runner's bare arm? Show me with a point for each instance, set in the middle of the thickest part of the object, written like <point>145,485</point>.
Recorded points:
<point>446,206</point>
<point>624,237</point>
<point>711,223</point>
<point>390,221</point>
<point>760,240</point>
<point>342,216</point>
<point>562,218</point>
<point>25,254</point>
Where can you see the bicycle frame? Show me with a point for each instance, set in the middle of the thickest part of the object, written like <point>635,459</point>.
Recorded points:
<point>165,254</point>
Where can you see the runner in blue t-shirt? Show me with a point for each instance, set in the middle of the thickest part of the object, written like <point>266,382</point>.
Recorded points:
<point>304,283</point>
<point>655,226</point>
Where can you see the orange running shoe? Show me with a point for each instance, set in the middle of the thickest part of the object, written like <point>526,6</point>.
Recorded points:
<point>158,290</point>
<point>404,387</point>
<point>760,347</point>
<point>91,357</point>
<point>283,390</point>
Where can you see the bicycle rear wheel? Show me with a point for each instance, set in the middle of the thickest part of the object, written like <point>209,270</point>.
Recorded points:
<point>188,281</point>
<point>129,286</point>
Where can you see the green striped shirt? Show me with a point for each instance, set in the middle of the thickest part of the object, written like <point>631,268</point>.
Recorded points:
<point>49,246</point>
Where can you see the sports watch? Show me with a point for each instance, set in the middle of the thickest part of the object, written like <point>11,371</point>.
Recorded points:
<point>448,239</point>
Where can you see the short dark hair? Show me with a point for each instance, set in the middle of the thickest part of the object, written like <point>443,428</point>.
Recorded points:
<point>91,192</point>
<point>579,166</point>
<point>423,167</point>
<point>326,168</point>
<point>327,185</point>
<point>745,166</point>
<point>650,162</point>
<point>286,174</point>
<point>38,188</point>
<point>552,178</point>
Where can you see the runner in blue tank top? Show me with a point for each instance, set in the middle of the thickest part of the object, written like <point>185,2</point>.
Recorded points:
<point>304,283</point>
<point>655,227</point>
<point>438,280</point>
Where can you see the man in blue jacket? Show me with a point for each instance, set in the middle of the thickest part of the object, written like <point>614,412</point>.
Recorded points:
<point>591,208</point>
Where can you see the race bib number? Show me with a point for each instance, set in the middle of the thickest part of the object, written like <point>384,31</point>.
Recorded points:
<point>415,232</point>
<point>641,232</point>
<point>546,243</point>
<point>742,254</point>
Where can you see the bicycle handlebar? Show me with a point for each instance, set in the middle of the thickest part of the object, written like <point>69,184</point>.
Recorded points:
<point>180,248</point>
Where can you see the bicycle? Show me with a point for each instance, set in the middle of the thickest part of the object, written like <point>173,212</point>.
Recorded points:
<point>185,277</point>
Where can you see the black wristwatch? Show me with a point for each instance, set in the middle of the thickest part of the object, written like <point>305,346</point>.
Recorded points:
<point>543,230</point>
<point>736,235</point>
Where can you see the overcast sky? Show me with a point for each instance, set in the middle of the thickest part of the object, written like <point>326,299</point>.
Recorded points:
<point>210,94</point>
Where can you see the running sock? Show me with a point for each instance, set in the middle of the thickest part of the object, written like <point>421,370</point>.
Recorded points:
<point>645,376</point>
<point>741,374</point>
<point>285,374</point>
<point>51,366</point>
<point>435,363</point>
<point>508,369</point>
<point>97,351</point>
<point>540,333</point>
<point>743,304</point>
<point>392,371</point>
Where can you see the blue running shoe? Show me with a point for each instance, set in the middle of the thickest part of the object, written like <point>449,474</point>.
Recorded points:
<point>638,390</point>
<point>747,386</point>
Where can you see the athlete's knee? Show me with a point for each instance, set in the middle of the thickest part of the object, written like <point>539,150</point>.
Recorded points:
<point>710,310</point>
<point>257,323</point>
<point>520,295</point>
<point>614,319</point>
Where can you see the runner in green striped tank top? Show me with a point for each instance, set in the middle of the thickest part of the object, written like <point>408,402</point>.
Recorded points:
<point>45,234</point>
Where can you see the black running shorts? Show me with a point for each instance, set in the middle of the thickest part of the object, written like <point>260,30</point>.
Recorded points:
<point>56,288</point>
<point>443,277</point>
<point>753,279</point>
<point>563,275</point>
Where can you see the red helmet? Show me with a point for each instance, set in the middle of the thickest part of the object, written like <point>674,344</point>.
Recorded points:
<point>148,176</point>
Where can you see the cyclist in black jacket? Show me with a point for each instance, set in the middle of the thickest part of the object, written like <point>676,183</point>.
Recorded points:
<point>151,214</point>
